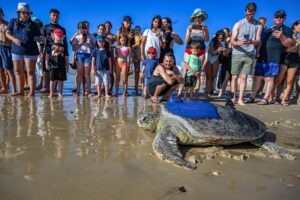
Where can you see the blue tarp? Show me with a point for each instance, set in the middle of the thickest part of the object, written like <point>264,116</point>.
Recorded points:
<point>192,109</point>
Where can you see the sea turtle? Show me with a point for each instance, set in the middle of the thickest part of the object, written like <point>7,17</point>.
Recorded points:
<point>200,123</point>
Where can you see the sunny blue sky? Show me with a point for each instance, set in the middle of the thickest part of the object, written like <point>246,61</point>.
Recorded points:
<point>221,13</point>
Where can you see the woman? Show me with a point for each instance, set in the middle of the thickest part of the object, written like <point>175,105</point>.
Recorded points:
<point>83,44</point>
<point>170,37</point>
<point>153,37</point>
<point>126,29</point>
<point>165,80</point>
<point>292,63</point>
<point>197,32</point>
<point>215,49</point>
<point>22,32</point>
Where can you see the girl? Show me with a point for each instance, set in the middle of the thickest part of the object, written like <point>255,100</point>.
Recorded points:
<point>123,63</point>
<point>83,44</point>
<point>211,64</point>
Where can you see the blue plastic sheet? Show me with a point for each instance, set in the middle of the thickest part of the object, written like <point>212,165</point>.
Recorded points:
<point>192,109</point>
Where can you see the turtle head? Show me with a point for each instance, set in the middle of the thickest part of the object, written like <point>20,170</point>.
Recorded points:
<point>148,120</point>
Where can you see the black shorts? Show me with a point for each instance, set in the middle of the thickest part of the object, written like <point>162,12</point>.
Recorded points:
<point>292,60</point>
<point>190,81</point>
<point>58,74</point>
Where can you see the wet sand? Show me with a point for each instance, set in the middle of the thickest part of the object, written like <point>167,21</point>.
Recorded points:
<point>89,149</point>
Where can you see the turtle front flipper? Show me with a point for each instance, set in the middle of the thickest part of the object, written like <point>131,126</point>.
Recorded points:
<point>266,143</point>
<point>166,148</point>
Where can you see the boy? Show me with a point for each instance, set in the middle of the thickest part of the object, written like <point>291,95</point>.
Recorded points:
<point>193,68</point>
<point>101,66</point>
<point>57,62</point>
<point>149,66</point>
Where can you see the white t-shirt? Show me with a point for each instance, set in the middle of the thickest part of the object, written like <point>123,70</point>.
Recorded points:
<point>84,48</point>
<point>152,41</point>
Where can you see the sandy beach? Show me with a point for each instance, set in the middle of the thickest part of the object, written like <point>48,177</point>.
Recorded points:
<point>89,149</point>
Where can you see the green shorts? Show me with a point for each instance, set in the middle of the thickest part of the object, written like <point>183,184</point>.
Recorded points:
<point>241,64</point>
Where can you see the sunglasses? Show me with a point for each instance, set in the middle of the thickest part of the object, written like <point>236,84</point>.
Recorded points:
<point>279,17</point>
<point>24,13</point>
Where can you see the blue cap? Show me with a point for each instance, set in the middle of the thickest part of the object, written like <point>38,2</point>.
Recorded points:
<point>100,38</point>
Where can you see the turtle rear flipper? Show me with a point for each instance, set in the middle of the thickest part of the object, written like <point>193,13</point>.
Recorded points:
<point>166,148</point>
<point>266,143</point>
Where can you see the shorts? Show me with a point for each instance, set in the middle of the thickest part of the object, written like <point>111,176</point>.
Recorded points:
<point>200,51</point>
<point>241,64</point>
<point>292,60</point>
<point>267,69</point>
<point>146,81</point>
<point>58,74</point>
<point>120,64</point>
<point>16,57</point>
<point>190,81</point>
<point>5,58</point>
<point>102,77</point>
<point>84,58</point>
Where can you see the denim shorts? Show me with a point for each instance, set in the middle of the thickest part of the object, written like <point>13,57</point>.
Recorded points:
<point>5,57</point>
<point>16,57</point>
<point>84,58</point>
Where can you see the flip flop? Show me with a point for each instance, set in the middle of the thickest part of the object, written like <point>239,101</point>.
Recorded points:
<point>284,103</point>
<point>250,100</point>
<point>263,102</point>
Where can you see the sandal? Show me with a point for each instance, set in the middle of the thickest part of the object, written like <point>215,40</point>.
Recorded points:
<point>284,103</point>
<point>263,102</point>
<point>250,100</point>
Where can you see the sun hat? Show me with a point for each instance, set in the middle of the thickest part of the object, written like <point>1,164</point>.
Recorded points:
<point>128,19</point>
<point>151,50</point>
<point>24,7</point>
<point>198,13</point>
<point>58,32</point>
<point>100,38</point>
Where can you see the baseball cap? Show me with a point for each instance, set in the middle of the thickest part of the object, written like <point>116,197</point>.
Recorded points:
<point>151,50</point>
<point>100,38</point>
<point>58,32</point>
<point>280,13</point>
<point>128,19</point>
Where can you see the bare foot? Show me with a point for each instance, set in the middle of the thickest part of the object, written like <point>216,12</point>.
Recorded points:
<point>108,96</point>
<point>4,92</point>
<point>234,101</point>
<point>44,90</point>
<point>155,100</point>
<point>50,95</point>
<point>76,95</point>
<point>60,96</point>
<point>18,94</point>
<point>241,103</point>
<point>30,95</point>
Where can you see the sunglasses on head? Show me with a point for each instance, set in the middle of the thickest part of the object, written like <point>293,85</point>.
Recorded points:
<point>279,17</point>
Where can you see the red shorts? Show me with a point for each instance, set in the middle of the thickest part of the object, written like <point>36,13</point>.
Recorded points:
<point>200,52</point>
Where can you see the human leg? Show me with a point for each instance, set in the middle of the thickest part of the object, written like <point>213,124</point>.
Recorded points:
<point>125,79</point>
<point>291,75</point>
<point>52,87</point>
<point>30,65</point>
<point>136,76</point>
<point>243,84</point>
<point>19,69</point>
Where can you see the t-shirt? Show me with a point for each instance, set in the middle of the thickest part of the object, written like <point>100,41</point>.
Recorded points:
<point>57,55</point>
<point>101,56</point>
<point>150,65</point>
<point>194,62</point>
<point>48,29</point>
<point>152,41</point>
<point>25,32</point>
<point>85,48</point>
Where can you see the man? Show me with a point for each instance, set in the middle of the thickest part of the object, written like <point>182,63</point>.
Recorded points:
<point>6,64</point>
<point>165,79</point>
<point>246,36</point>
<point>271,57</point>
<point>46,31</point>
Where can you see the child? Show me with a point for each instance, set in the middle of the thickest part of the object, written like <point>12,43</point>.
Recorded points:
<point>57,62</point>
<point>193,69</point>
<point>149,66</point>
<point>101,66</point>
<point>123,63</point>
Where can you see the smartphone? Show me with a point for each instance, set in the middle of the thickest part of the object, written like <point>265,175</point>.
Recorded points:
<point>276,28</point>
<point>84,37</point>
<point>246,36</point>
<point>197,26</point>
<point>222,43</point>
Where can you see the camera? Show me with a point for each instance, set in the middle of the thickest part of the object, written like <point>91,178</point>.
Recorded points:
<point>84,37</point>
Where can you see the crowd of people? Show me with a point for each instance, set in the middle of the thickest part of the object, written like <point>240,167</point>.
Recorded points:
<point>269,55</point>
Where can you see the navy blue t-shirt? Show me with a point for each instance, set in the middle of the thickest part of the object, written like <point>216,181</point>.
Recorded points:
<point>101,57</point>
<point>150,65</point>
<point>25,32</point>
